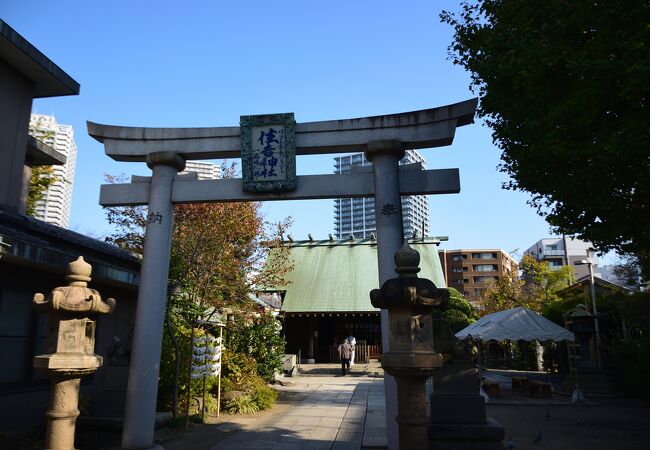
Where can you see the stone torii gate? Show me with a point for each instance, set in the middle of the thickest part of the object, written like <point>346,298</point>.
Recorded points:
<point>382,138</point>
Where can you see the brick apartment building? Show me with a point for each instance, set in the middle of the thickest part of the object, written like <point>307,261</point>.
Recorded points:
<point>467,270</point>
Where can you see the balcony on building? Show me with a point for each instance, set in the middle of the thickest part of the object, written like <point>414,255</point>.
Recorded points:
<point>549,253</point>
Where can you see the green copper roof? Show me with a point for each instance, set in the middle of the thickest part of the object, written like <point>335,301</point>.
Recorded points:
<point>339,275</point>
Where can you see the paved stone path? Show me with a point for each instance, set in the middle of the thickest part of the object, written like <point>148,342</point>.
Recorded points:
<point>333,413</point>
<point>337,413</point>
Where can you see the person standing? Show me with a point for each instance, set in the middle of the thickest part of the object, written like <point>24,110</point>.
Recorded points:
<point>346,355</point>
<point>353,342</point>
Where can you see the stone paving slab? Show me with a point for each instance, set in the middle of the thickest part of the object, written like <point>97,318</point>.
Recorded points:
<point>336,413</point>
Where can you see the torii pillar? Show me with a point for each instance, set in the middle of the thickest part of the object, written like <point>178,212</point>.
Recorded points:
<point>142,389</point>
<point>385,156</point>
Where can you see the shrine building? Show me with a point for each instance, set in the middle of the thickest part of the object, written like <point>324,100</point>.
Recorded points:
<point>327,296</point>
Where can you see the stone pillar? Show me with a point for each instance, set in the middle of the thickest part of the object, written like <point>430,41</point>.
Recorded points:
<point>140,410</point>
<point>385,157</point>
<point>62,411</point>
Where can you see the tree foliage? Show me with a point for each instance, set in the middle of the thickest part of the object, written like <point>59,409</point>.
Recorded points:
<point>219,255</point>
<point>257,335</point>
<point>42,178</point>
<point>219,250</point>
<point>538,287</point>
<point>564,86</point>
<point>459,313</point>
<point>130,222</point>
<point>628,273</point>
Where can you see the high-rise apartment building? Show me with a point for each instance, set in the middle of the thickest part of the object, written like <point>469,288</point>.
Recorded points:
<point>204,170</point>
<point>468,270</point>
<point>356,216</point>
<point>57,201</point>
<point>562,251</point>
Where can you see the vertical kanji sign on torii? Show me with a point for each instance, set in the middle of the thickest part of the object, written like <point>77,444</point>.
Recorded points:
<point>165,150</point>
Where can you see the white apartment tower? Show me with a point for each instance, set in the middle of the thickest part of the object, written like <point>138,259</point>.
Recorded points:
<point>356,216</point>
<point>204,170</point>
<point>55,206</point>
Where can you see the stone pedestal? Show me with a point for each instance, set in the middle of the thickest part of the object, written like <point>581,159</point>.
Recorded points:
<point>62,412</point>
<point>457,419</point>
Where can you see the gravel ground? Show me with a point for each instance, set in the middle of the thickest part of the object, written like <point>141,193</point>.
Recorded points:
<point>606,424</point>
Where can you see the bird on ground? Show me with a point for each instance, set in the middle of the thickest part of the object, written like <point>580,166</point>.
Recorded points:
<point>510,445</point>
<point>538,437</point>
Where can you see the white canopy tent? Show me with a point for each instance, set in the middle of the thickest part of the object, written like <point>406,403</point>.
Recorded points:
<point>518,324</point>
<point>515,324</point>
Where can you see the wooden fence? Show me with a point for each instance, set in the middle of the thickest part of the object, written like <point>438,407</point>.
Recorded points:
<point>362,352</point>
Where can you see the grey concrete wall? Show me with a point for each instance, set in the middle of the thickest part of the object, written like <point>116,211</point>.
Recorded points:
<point>16,93</point>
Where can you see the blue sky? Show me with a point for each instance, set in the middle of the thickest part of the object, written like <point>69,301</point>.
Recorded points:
<point>205,63</point>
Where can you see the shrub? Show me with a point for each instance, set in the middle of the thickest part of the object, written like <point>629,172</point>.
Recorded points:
<point>456,319</point>
<point>259,338</point>
<point>238,371</point>
<point>264,396</point>
<point>243,404</point>
<point>167,365</point>
<point>632,367</point>
<point>240,374</point>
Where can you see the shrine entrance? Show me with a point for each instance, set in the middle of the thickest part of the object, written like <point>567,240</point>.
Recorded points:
<point>267,145</point>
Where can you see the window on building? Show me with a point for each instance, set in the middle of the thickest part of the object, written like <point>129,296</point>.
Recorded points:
<point>484,255</point>
<point>483,279</point>
<point>485,267</point>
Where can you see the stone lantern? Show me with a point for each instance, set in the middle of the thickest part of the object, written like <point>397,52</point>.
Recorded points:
<point>70,346</point>
<point>411,358</point>
<point>582,324</point>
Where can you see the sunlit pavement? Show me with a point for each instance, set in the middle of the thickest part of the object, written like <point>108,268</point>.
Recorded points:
<point>338,412</point>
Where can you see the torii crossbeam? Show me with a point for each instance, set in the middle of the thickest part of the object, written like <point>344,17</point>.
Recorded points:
<point>382,138</point>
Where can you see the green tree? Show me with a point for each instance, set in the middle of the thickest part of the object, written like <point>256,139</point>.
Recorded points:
<point>130,222</point>
<point>501,294</point>
<point>219,254</point>
<point>564,85</point>
<point>458,313</point>
<point>629,273</point>
<point>258,335</point>
<point>538,287</point>
<point>542,282</point>
<point>42,178</point>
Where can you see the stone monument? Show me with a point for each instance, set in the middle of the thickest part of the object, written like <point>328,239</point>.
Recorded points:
<point>411,358</point>
<point>457,419</point>
<point>70,346</point>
